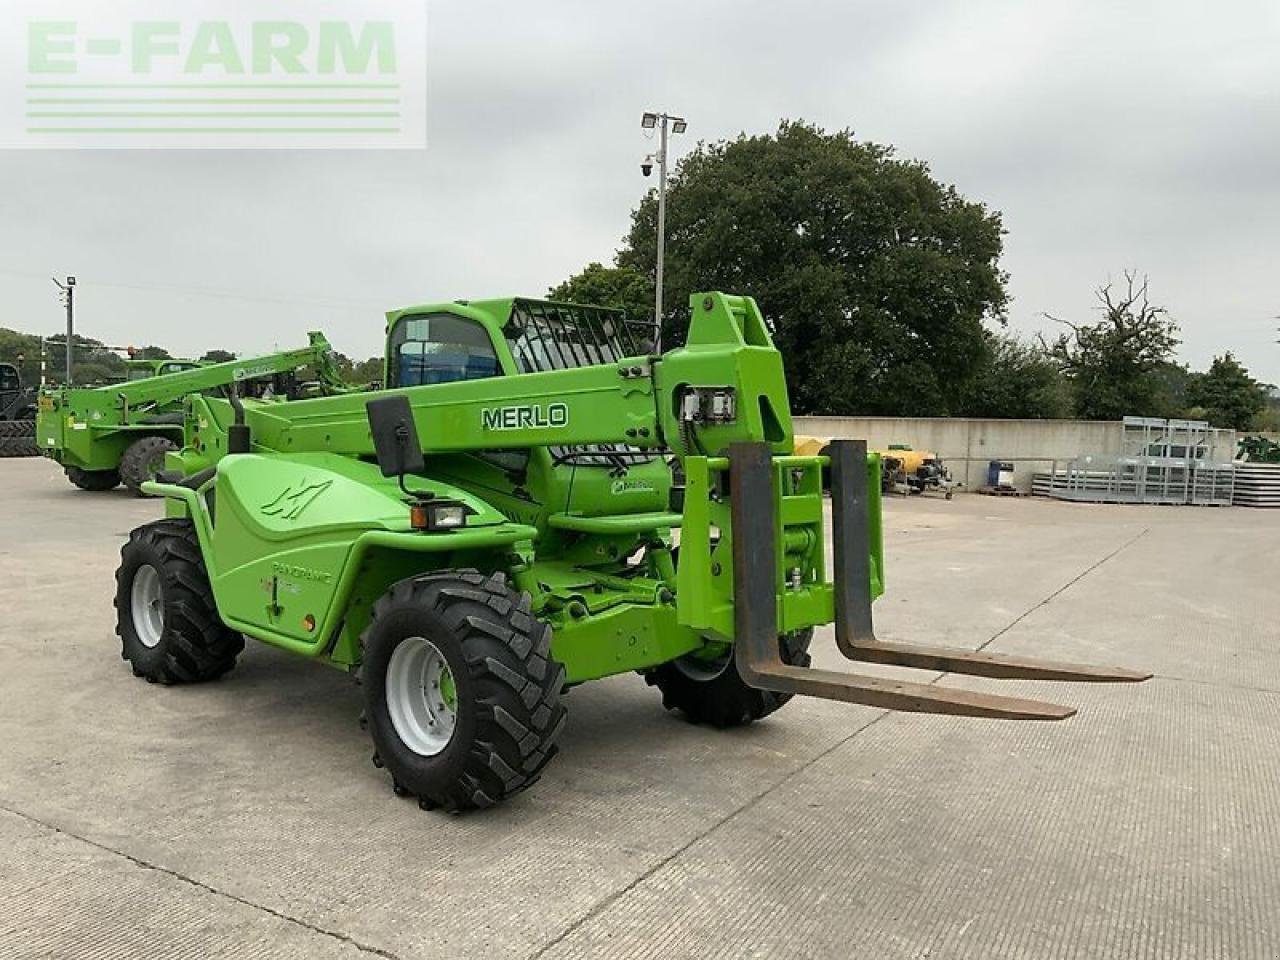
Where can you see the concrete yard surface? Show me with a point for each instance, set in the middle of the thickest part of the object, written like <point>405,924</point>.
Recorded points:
<point>243,818</point>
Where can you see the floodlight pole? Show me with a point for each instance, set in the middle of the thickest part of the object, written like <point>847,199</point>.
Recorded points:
<point>662,233</point>
<point>662,121</point>
<point>69,298</point>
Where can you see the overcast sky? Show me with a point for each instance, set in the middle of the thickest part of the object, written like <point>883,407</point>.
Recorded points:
<point>1110,135</point>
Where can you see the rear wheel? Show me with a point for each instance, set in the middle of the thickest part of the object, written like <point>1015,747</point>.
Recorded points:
<point>142,460</point>
<point>712,691</point>
<point>165,613</point>
<point>95,480</point>
<point>462,698</point>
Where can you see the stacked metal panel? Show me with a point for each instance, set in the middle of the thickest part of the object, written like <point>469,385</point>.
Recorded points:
<point>1213,485</point>
<point>1257,484</point>
<point>1041,481</point>
<point>1163,461</point>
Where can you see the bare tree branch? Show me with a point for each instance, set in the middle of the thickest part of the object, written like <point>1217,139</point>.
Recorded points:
<point>1110,362</point>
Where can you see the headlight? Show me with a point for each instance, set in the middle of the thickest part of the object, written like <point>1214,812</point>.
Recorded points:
<point>434,515</point>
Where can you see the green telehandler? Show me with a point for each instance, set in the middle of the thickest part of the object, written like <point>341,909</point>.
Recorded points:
<point>103,436</point>
<point>499,523</point>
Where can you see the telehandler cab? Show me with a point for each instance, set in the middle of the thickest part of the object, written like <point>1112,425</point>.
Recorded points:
<point>498,523</point>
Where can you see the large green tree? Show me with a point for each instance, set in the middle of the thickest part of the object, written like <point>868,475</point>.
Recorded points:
<point>359,372</point>
<point>619,287</point>
<point>1115,365</point>
<point>1173,386</point>
<point>1016,379</point>
<point>1227,396</point>
<point>876,277</point>
<point>1269,418</point>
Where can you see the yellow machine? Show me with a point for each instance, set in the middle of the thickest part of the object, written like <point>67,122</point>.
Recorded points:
<point>903,470</point>
<point>914,471</point>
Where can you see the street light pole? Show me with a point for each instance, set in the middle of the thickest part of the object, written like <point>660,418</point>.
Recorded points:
<point>677,125</point>
<point>662,235</point>
<point>69,298</point>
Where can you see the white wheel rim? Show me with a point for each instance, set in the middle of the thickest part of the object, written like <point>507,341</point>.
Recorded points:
<point>420,700</point>
<point>147,604</point>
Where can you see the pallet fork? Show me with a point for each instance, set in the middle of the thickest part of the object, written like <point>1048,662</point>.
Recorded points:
<point>755,555</point>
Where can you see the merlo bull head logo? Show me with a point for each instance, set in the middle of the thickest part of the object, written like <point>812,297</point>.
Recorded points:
<point>294,499</point>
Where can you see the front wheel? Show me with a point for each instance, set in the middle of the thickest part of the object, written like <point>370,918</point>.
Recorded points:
<point>712,691</point>
<point>166,617</point>
<point>462,698</point>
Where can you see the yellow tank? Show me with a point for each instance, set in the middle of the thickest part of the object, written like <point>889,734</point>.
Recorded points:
<point>810,446</point>
<point>903,469</point>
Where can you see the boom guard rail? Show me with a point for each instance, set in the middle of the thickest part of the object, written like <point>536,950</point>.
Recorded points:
<point>756,585</point>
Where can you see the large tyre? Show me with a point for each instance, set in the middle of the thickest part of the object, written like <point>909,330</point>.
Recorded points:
<point>18,447</point>
<point>713,692</point>
<point>17,428</point>
<point>94,480</point>
<point>165,614</point>
<point>462,698</point>
<point>141,461</point>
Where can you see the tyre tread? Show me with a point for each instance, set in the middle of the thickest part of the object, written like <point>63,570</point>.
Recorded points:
<point>197,646</point>
<point>133,464</point>
<point>727,700</point>
<point>519,715</point>
<point>95,481</point>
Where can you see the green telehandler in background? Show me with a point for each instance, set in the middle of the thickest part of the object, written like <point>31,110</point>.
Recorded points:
<point>499,522</point>
<point>103,436</point>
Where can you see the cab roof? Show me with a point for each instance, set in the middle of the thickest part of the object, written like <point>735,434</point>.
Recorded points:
<point>497,311</point>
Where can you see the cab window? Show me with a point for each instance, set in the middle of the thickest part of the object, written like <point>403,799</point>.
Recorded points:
<point>440,348</point>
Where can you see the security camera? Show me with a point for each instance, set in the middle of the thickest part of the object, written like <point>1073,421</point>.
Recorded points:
<point>646,166</point>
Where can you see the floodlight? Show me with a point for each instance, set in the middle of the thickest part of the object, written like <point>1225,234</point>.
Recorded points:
<point>678,125</point>
<point>649,121</point>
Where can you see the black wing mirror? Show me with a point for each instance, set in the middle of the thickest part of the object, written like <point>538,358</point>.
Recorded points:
<point>395,437</point>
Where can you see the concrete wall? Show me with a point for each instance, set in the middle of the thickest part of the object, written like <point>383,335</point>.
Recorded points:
<point>966,445</point>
